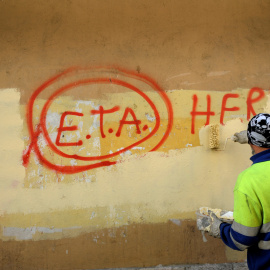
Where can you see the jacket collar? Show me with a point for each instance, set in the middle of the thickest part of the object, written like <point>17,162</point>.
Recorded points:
<point>261,157</point>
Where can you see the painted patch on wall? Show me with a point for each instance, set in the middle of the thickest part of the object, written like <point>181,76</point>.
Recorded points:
<point>80,127</point>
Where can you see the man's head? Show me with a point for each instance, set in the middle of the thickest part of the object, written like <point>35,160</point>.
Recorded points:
<point>258,132</point>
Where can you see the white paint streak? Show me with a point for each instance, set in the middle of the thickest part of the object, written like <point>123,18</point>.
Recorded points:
<point>87,103</point>
<point>42,142</point>
<point>19,233</point>
<point>73,162</point>
<point>69,136</point>
<point>96,143</point>
<point>176,221</point>
<point>150,118</point>
<point>189,83</point>
<point>52,119</point>
<point>217,73</point>
<point>203,235</point>
<point>126,153</point>
<point>80,125</point>
<point>28,233</point>
<point>179,75</point>
<point>93,215</point>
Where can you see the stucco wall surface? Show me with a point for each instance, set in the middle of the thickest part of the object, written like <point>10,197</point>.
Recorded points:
<point>106,107</point>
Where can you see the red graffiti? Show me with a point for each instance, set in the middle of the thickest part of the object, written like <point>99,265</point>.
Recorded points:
<point>251,100</point>
<point>225,109</point>
<point>101,112</point>
<point>193,113</point>
<point>208,113</point>
<point>125,122</point>
<point>96,81</point>
<point>70,128</point>
<point>60,144</point>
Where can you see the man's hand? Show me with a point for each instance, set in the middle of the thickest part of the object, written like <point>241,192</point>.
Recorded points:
<point>214,226</point>
<point>240,137</point>
<point>210,224</point>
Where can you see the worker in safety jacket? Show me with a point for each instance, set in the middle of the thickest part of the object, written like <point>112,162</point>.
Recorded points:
<point>251,226</point>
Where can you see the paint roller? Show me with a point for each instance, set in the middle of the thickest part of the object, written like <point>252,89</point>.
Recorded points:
<point>214,137</point>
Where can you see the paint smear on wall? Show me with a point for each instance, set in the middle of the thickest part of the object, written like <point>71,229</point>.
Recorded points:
<point>11,143</point>
<point>155,187</point>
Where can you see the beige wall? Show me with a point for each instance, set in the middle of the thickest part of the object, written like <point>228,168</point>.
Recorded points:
<point>127,200</point>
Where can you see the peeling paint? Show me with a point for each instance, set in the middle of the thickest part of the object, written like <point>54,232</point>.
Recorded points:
<point>30,232</point>
<point>176,221</point>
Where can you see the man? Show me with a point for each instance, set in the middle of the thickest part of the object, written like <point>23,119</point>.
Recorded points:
<point>251,227</point>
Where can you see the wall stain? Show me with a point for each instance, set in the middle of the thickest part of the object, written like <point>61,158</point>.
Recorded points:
<point>135,245</point>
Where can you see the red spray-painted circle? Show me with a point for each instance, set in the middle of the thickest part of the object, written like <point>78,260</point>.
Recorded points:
<point>41,128</point>
<point>94,81</point>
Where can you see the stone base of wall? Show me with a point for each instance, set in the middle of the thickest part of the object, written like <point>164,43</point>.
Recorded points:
<point>222,266</point>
